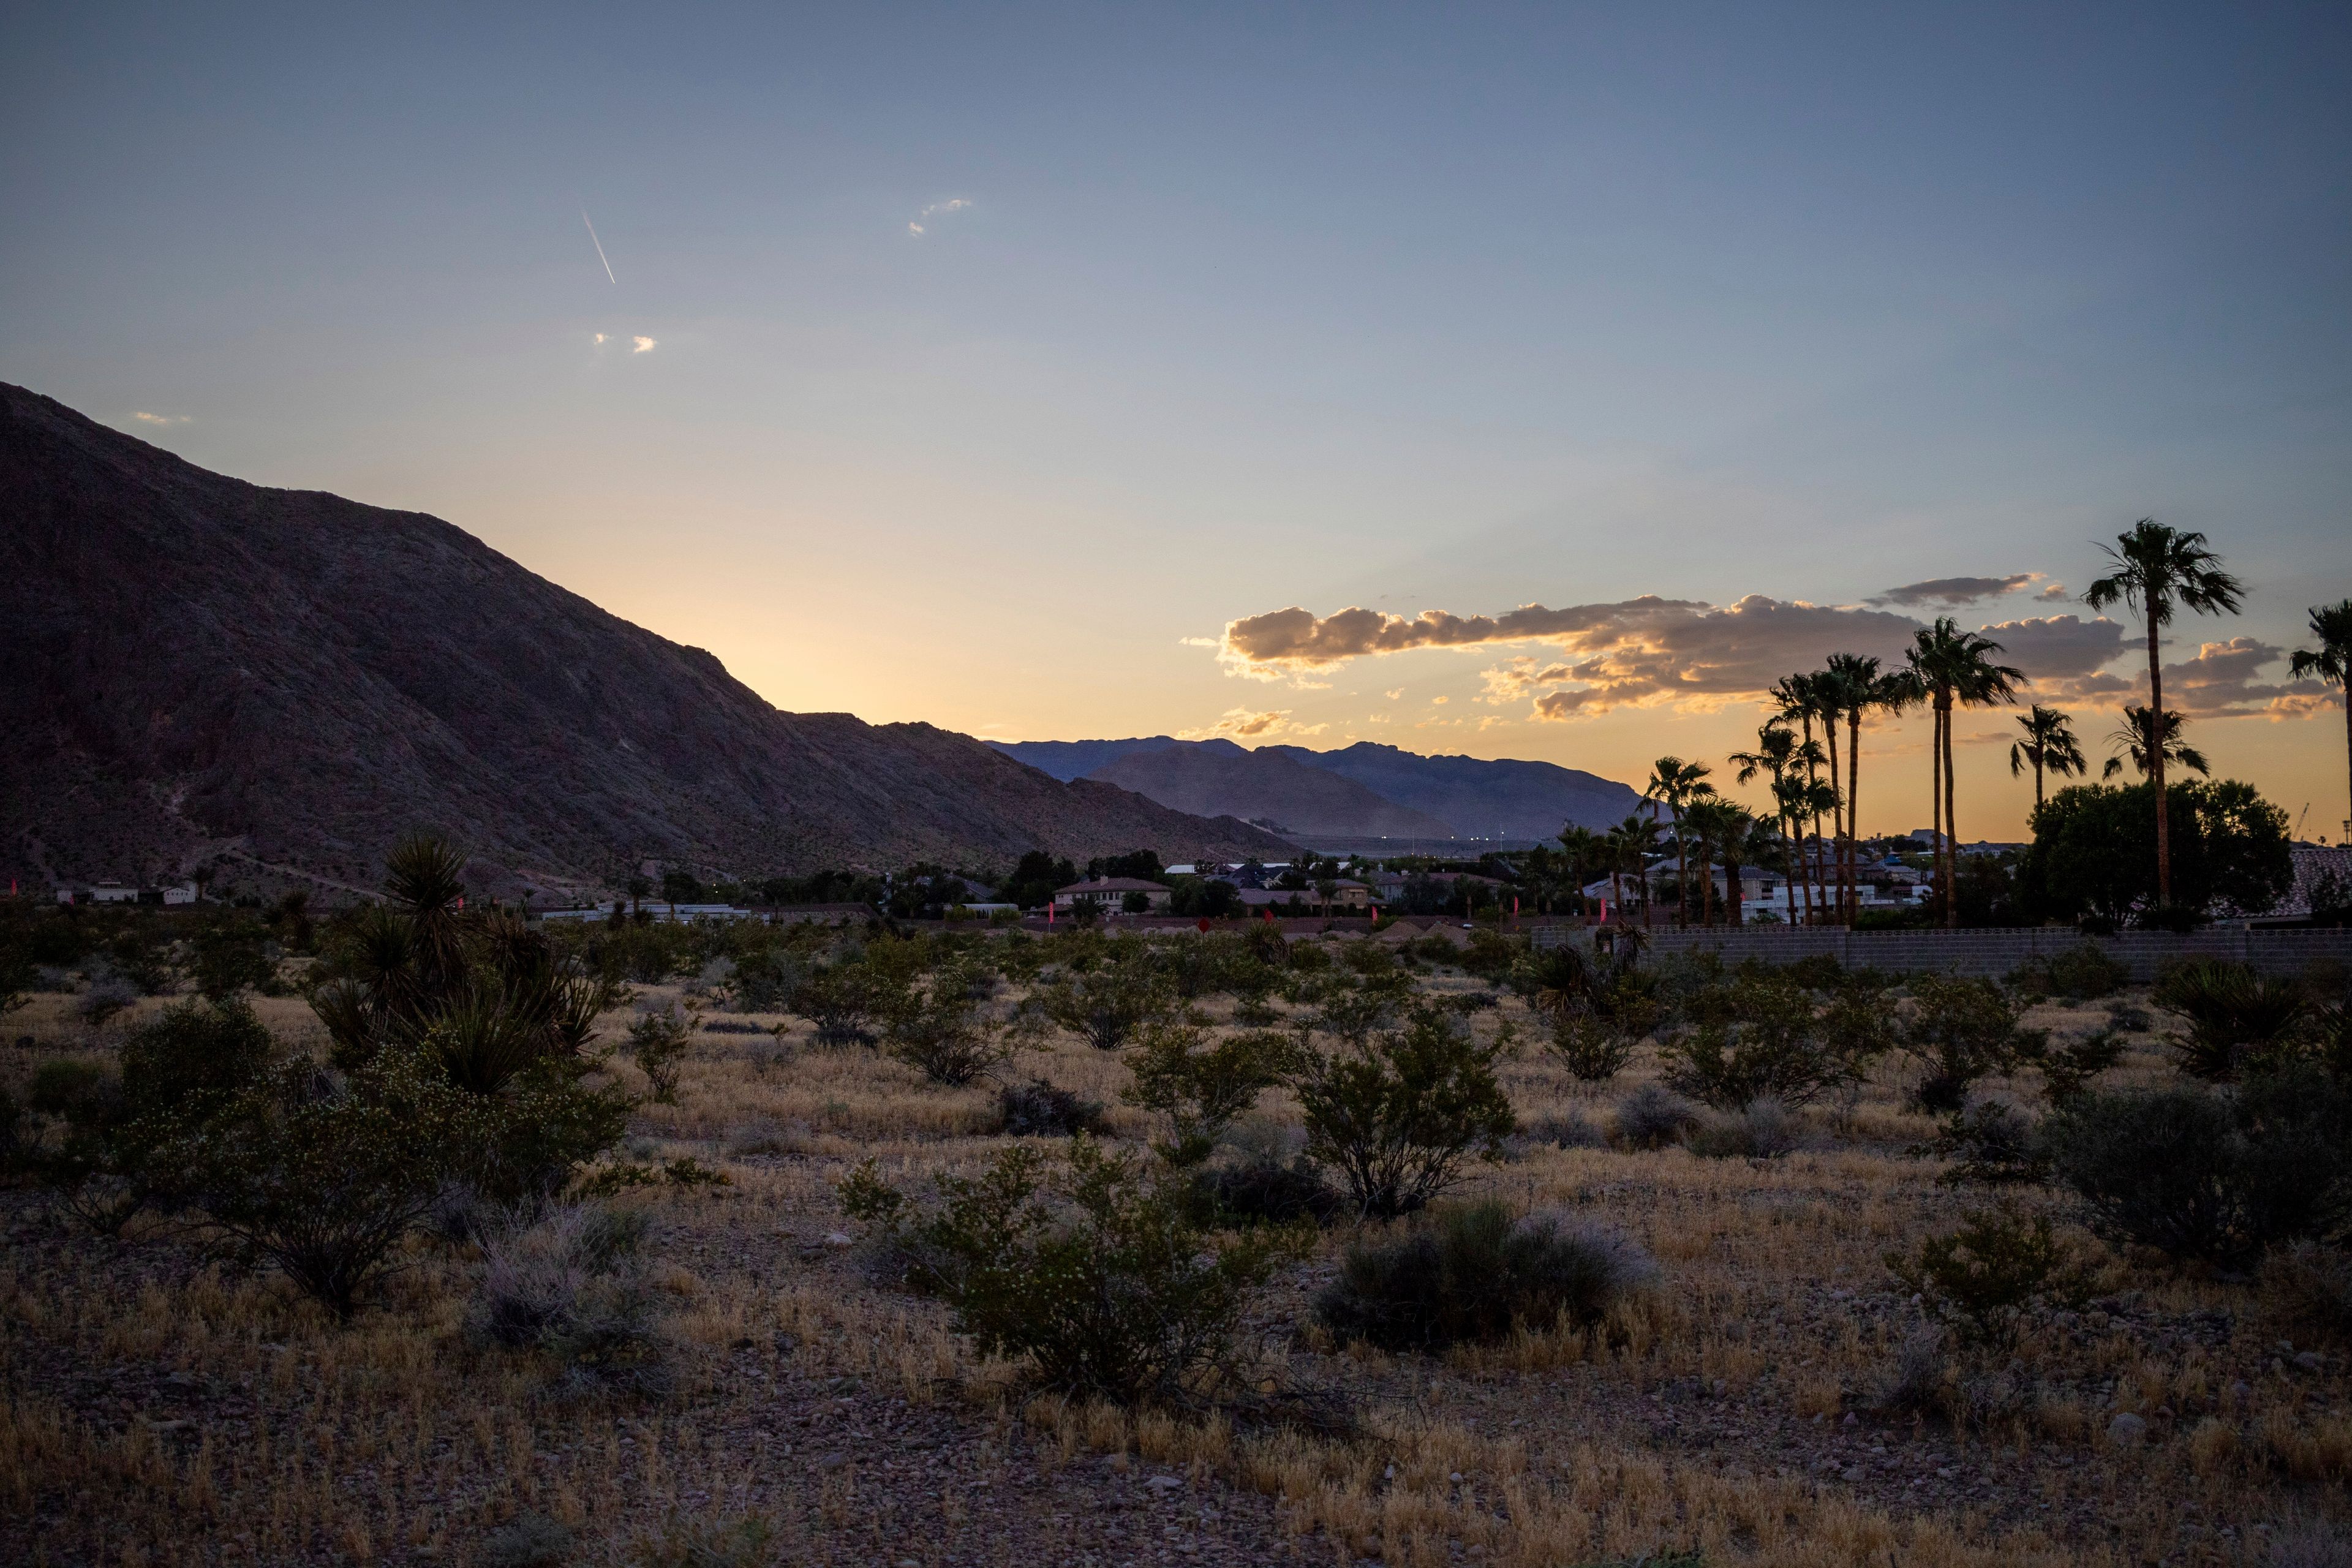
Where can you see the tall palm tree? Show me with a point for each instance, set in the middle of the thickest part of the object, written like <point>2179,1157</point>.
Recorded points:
<point>1674,784</point>
<point>2050,745</point>
<point>1629,844</point>
<point>1714,821</point>
<point>1750,843</point>
<point>1890,693</point>
<point>2157,568</point>
<point>2143,736</point>
<point>1859,687</point>
<point>2332,660</point>
<point>1955,668</point>
<point>1798,699</point>
<point>1584,847</point>
<point>1777,753</point>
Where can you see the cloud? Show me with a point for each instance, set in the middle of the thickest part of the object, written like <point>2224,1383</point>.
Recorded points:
<point>1636,652</point>
<point>2058,647</point>
<point>2053,594</point>
<point>1951,592</point>
<point>600,339</point>
<point>642,345</point>
<point>917,229</point>
<point>1196,642</point>
<point>1393,696</point>
<point>162,418</point>
<point>1242,724</point>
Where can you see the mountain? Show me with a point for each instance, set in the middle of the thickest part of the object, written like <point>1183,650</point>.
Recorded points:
<point>1465,797</point>
<point>1482,799</point>
<point>196,670</point>
<point>1219,778</point>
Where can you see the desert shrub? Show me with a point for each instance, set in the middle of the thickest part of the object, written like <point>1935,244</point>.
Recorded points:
<point>1991,1143</point>
<point>1570,1130</point>
<point>1395,1117</point>
<point>2234,1018</point>
<point>2085,972</point>
<point>1960,1030</point>
<point>1923,1380</point>
<point>230,955</point>
<point>1352,1016</point>
<point>1755,1038</point>
<point>659,1040</point>
<point>1039,1109</point>
<point>528,1541</point>
<point>1762,1130</point>
<point>1268,1191</point>
<point>2310,1283</point>
<point>1982,1278</point>
<point>2198,1176</point>
<point>1653,1116</point>
<point>1474,1273</point>
<point>1105,1006</point>
<point>1594,1038</point>
<point>764,980</point>
<point>939,1027</point>
<point>1200,1088</point>
<point>841,1000</point>
<point>2067,1069</point>
<point>570,1283</point>
<point>1095,1271</point>
<point>108,995</point>
<point>75,1153</point>
<point>747,1540</point>
<point>193,1055</point>
<point>1490,955</point>
<point>324,1180</point>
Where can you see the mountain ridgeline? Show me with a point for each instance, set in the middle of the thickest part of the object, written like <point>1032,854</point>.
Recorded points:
<point>1365,791</point>
<point>196,671</point>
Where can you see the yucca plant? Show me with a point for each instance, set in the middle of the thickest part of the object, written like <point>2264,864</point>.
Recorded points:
<point>2234,1016</point>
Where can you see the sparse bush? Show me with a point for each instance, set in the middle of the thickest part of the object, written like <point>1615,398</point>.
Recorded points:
<point>1592,1049</point>
<point>107,996</point>
<point>2082,972</point>
<point>1571,1129</point>
<point>194,1057</point>
<point>1755,1038</point>
<point>2235,1019</point>
<point>765,980</point>
<point>658,1043</point>
<point>841,1000</point>
<point>1096,1273</point>
<point>1038,1110</point>
<point>1960,1030</point>
<point>2067,1069</point>
<point>1202,1088</point>
<point>1924,1380</point>
<point>939,1027</point>
<point>1395,1117</point>
<point>1653,1117</point>
<point>528,1541</point>
<point>230,955</point>
<point>1984,1276</point>
<point>1107,1006</point>
<point>1763,1130</point>
<point>745,1541</point>
<point>569,1283</point>
<point>2311,1284</point>
<point>2197,1175</point>
<point>1475,1273</point>
<point>1268,1191</point>
<point>1990,1142</point>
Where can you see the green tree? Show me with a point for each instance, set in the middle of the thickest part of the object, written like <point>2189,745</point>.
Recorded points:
<point>1396,1114</point>
<point>1202,1088</point>
<point>2331,627</point>
<point>2157,570</point>
<point>2090,850</point>
<point>2050,746</point>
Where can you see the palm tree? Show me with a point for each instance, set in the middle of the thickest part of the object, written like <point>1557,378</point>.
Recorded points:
<point>1584,847</point>
<point>1713,821</point>
<point>2142,736</point>
<point>1776,753</point>
<point>1798,699</point>
<point>2331,660</point>
<point>2049,745</point>
<point>1674,784</point>
<point>2157,567</point>
<point>1890,693</point>
<point>1956,670</point>
<point>1629,847</point>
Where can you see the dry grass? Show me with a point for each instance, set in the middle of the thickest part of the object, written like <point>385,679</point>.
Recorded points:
<point>162,1408</point>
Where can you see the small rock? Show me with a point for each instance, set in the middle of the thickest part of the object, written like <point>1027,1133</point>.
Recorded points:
<point>1851,1473</point>
<point>1456,1476</point>
<point>2126,1430</point>
<point>2310,1362</point>
<point>1850,1420</point>
<point>837,1238</point>
<point>1165,1483</point>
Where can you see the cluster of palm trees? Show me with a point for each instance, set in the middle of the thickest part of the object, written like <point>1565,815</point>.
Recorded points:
<point>2158,571</point>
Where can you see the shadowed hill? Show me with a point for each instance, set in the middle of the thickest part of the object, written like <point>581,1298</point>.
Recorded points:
<point>1219,778</point>
<point>192,666</point>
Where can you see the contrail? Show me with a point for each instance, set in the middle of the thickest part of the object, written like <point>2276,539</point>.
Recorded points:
<point>600,249</point>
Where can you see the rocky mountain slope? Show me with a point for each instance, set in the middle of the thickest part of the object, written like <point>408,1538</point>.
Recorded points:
<point>197,669</point>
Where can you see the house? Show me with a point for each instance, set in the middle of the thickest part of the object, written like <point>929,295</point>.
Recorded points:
<point>1111,893</point>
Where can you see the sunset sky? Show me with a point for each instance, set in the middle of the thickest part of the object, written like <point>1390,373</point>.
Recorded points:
<point>1067,372</point>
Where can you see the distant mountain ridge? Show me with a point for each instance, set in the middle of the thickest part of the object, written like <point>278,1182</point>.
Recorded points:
<point>1468,797</point>
<point>1217,778</point>
<point>196,670</point>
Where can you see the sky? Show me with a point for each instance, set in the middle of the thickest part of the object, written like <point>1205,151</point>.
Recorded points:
<point>1066,372</point>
